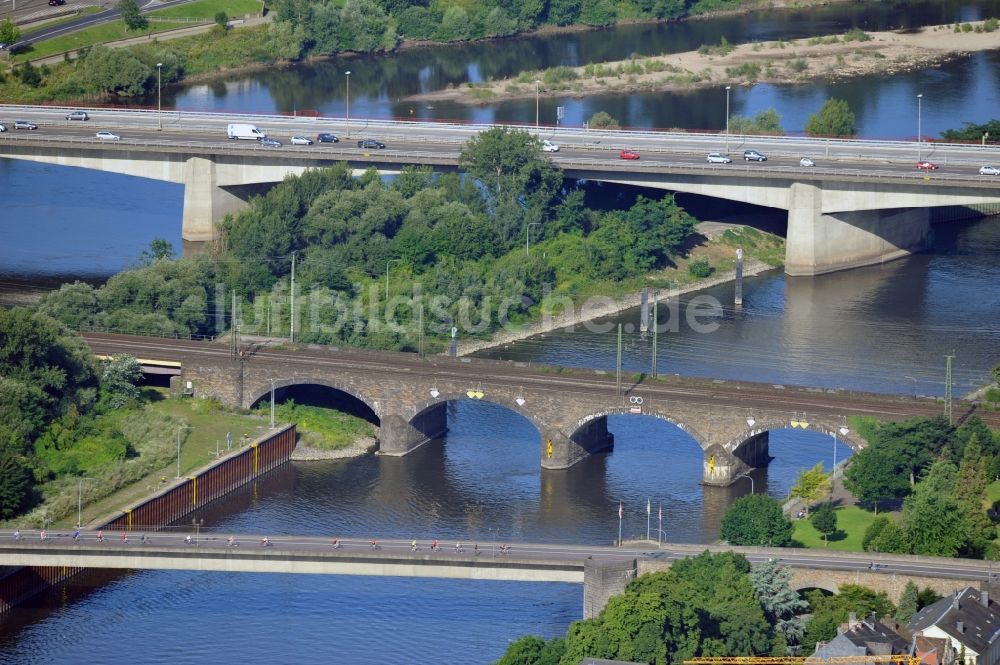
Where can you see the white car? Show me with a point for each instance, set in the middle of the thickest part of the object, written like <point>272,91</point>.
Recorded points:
<point>3,127</point>
<point>989,170</point>
<point>718,158</point>
<point>549,146</point>
<point>806,161</point>
<point>301,140</point>
<point>107,136</point>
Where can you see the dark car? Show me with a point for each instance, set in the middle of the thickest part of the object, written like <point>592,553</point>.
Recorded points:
<point>56,3</point>
<point>271,143</point>
<point>24,124</point>
<point>77,115</point>
<point>371,144</point>
<point>753,155</point>
<point>326,137</point>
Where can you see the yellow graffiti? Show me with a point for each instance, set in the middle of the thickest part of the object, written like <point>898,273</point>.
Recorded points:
<point>711,464</point>
<point>548,450</point>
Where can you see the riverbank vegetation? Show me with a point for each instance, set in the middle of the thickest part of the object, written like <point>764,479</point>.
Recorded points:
<point>320,427</point>
<point>397,265</point>
<point>72,428</point>
<point>710,605</point>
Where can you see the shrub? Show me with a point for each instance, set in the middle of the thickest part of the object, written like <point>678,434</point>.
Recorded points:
<point>602,120</point>
<point>990,25</point>
<point>798,65</point>
<point>700,268</point>
<point>747,70</point>
<point>857,35</point>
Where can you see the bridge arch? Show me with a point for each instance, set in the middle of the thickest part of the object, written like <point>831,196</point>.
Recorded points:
<point>682,425</point>
<point>759,429</point>
<point>262,392</point>
<point>443,398</point>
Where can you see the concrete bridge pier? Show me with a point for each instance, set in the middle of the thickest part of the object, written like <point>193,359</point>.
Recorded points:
<point>399,435</point>
<point>603,579</point>
<point>205,202</point>
<point>721,467</point>
<point>820,242</point>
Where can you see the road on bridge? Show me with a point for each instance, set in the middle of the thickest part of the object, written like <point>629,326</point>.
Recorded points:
<point>152,543</point>
<point>440,143</point>
<point>729,394</point>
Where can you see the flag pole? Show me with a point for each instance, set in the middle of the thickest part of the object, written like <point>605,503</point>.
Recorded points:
<point>659,537</point>
<point>649,508</point>
<point>620,513</point>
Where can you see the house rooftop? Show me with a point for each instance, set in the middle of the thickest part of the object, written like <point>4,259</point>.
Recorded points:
<point>968,616</point>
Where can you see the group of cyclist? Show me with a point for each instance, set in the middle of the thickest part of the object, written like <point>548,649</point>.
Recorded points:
<point>231,541</point>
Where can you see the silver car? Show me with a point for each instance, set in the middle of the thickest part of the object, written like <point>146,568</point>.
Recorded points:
<point>989,170</point>
<point>301,140</point>
<point>718,158</point>
<point>807,161</point>
<point>107,136</point>
<point>77,115</point>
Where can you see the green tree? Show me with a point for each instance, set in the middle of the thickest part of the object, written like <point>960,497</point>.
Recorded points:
<point>119,379</point>
<point>9,33</point>
<point>970,492</point>
<point>835,118</point>
<point>131,16</point>
<point>995,373</point>
<point>758,520</point>
<point>934,523</point>
<point>877,473</point>
<point>781,605</point>
<point>116,71</point>
<point>15,484</point>
<point>564,12</point>
<point>825,520</point>
<point>222,20</point>
<point>908,603</point>
<point>159,248</point>
<point>75,305</point>
<point>499,157</point>
<point>812,485</point>
<point>524,651</point>
<point>892,538</point>
<point>602,120</point>
<point>765,123</point>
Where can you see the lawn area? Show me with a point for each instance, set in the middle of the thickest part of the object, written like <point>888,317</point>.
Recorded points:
<point>203,10</point>
<point>852,522</point>
<point>207,9</point>
<point>993,493</point>
<point>208,425</point>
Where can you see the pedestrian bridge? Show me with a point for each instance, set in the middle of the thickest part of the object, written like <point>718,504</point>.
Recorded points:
<point>604,571</point>
<point>864,202</point>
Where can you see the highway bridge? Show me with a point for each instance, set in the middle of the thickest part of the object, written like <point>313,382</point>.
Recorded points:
<point>864,202</point>
<point>408,396</point>
<point>604,570</point>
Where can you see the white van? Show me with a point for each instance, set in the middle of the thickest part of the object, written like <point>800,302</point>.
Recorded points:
<point>242,131</point>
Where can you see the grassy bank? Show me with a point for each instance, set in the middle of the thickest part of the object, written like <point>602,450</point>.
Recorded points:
<point>320,427</point>
<point>152,431</point>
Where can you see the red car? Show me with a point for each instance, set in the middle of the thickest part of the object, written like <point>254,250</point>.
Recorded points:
<point>628,154</point>
<point>927,166</point>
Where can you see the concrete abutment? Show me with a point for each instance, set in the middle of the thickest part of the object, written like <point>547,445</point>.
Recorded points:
<point>399,435</point>
<point>820,242</point>
<point>205,202</point>
<point>603,579</point>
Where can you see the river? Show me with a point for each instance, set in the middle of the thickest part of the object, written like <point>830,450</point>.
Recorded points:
<point>881,328</point>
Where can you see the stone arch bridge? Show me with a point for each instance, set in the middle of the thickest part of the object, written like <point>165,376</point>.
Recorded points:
<point>408,395</point>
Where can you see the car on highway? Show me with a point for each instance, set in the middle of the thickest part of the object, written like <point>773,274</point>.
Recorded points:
<point>754,156</point>
<point>371,144</point>
<point>927,166</point>
<point>3,127</point>
<point>56,3</point>
<point>327,137</point>
<point>989,170</point>
<point>549,146</point>
<point>269,142</point>
<point>628,154</point>
<point>77,115</point>
<point>107,136</point>
<point>24,124</point>
<point>807,161</point>
<point>718,158</point>
<point>301,140</point>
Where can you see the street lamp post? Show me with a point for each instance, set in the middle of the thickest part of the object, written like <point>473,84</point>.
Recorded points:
<point>727,118</point>
<point>272,400</point>
<point>911,378</point>
<point>179,429</point>
<point>527,237</point>
<point>387,264</point>
<point>347,132</point>
<point>748,477</point>
<point>79,501</point>
<point>159,105</point>
<point>537,82</point>
<point>920,99</point>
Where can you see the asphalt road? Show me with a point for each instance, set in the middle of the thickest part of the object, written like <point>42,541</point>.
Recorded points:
<point>729,394</point>
<point>865,160</point>
<point>77,24</point>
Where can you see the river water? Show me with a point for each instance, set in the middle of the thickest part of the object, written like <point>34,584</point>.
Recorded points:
<point>883,328</point>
